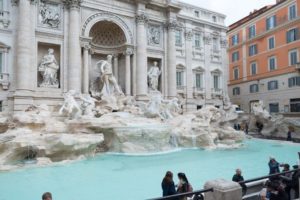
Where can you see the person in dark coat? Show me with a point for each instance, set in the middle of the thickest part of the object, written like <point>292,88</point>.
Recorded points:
<point>168,185</point>
<point>273,166</point>
<point>183,185</point>
<point>237,177</point>
<point>295,181</point>
<point>277,192</point>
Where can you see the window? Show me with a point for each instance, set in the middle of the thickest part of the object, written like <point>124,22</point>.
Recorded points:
<point>215,44</point>
<point>271,42</point>
<point>271,22</point>
<point>235,39</point>
<point>199,80</point>
<point>1,5</point>
<point>272,63</point>
<point>252,49</point>
<point>294,81</point>
<point>216,81</point>
<point>178,40</point>
<point>272,85</point>
<point>197,40</point>
<point>252,31</point>
<point>253,88</point>
<point>295,105</point>
<point>292,35</point>
<point>236,91</point>
<point>293,57</point>
<point>1,102</point>
<point>236,73</point>
<point>292,12</point>
<point>214,18</point>
<point>235,56</point>
<point>196,13</point>
<point>179,78</point>
<point>274,107</point>
<point>253,68</point>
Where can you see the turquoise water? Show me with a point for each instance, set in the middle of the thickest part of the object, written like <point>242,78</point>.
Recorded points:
<point>121,177</point>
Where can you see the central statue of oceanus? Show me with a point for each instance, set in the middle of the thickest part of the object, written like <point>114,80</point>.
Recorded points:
<point>105,84</point>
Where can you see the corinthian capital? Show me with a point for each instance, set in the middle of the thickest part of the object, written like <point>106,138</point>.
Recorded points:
<point>189,35</point>
<point>141,18</point>
<point>128,52</point>
<point>172,25</point>
<point>72,3</point>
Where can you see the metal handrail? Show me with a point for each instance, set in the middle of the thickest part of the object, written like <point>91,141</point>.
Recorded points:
<point>175,196</point>
<point>268,176</point>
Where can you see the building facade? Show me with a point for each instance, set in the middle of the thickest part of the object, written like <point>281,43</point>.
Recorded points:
<point>48,47</point>
<point>264,58</point>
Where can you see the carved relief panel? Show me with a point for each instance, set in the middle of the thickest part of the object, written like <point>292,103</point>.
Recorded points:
<point>49,15</point>
<point>154,35</point>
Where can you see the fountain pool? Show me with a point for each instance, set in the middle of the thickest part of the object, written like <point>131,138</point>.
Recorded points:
<point>128,177</point>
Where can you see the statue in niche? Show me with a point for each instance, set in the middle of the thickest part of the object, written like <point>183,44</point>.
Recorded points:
<point>49,15</point>
<point>48,69</point>
<point>153,35</point>
<point>153,75</point>
<point>106,82</point>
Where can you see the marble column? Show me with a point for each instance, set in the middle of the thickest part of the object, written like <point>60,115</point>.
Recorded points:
<point>116,66</point>
<point>86,49</point>
<point>24,46</point>
<point>171,69</point>
<point>74,68</point>
<point>207,62</point>
<point>189,69</point>
<point>127,54</point>
<point>141,69</point>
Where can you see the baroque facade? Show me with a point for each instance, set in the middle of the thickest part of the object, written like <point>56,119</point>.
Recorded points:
<point>48,47</point>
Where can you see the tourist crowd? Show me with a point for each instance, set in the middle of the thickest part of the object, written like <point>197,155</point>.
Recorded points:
<point>278,187</point>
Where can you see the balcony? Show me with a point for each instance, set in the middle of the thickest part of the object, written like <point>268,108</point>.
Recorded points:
<point>4,18</point>
<point>216,91</point>
<point>4,80</point>
<point>198,91</point>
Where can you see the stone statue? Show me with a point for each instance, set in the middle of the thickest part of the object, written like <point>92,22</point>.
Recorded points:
<point>49,16</point>
<point>88,105</point>
<point>153,75</point>
<point>170,108</point>
<point>110,85</point>
<point>70,105</point>
<point>48,69</point>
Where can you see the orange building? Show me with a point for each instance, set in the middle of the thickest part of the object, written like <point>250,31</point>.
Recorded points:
<point>264,58</point>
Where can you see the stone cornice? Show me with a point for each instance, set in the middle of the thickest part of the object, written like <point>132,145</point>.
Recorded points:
<point>142,18</point>
<point>16,2</point>
<point>72,3</point>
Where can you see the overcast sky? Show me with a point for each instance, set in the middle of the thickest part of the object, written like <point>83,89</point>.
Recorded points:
<point>233,9</point>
